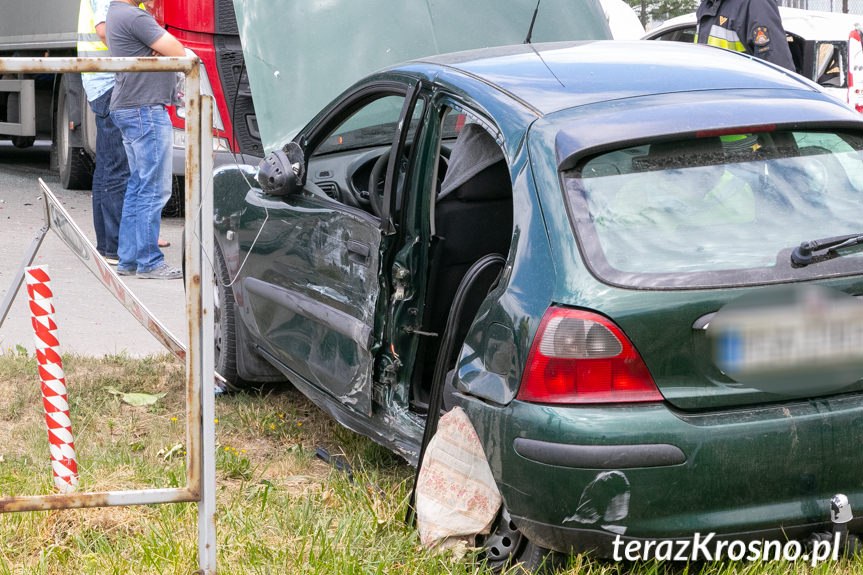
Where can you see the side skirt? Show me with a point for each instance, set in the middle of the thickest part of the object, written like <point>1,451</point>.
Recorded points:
<point>379,427</point>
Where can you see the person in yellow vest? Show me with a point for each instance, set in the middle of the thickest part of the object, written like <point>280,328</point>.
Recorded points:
<point>112,169</point>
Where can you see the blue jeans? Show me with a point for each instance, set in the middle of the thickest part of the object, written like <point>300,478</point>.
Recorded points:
<point>147,140</point>
<point>109,179</point>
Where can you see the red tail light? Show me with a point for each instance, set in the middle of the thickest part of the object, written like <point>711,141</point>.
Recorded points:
<point>582,357</point>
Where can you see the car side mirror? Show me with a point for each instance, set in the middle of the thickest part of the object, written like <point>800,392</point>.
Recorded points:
<point>281,172</point>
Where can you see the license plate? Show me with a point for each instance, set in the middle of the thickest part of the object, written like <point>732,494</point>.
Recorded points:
<point>788,330</point>
<point>765,344</point>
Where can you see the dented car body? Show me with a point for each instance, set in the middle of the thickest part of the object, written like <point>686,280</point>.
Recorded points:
<point>568,219</point>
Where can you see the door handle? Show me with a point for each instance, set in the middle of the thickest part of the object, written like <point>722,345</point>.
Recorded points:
<point>359,252</point>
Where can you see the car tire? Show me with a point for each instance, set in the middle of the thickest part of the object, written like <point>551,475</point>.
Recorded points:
<point>224,318</point>
<point>506,548</point>
<point>537,559</point>
<point>74,163</point>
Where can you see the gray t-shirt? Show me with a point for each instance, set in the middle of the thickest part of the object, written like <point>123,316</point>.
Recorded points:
<point>131,31</point>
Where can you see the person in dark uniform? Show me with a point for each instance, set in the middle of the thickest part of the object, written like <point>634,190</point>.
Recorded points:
<point>751,26</point>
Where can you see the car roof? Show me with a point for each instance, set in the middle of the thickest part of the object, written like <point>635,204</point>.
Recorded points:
<point>551,77</point>
<point>808,24</point>
<point>815,25</point>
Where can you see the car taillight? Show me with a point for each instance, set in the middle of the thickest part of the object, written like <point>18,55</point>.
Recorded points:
<point>582,357</point>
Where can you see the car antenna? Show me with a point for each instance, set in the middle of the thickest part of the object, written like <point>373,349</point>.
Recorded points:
<point>532,22</point>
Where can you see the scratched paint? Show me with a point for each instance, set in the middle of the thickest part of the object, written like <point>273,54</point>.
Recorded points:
<point>604,502</point>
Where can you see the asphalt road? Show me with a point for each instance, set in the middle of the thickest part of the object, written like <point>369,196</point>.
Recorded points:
<point>90,321</point>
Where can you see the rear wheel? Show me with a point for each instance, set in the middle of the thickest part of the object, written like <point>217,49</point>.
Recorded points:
<point>506,546</point>
<point>74,163</point>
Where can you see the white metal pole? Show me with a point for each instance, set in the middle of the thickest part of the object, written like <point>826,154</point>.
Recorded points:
<point>207,505</point>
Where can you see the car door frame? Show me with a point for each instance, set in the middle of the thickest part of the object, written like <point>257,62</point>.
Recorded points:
<point>364,327</point>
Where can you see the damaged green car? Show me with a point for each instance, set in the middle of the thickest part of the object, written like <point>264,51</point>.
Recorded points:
<point>601,254</point>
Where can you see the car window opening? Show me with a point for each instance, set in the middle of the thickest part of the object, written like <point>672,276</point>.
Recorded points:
<point>349,163</point>
<point>473,216</point>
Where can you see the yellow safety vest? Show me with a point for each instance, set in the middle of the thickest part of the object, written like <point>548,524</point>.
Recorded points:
<point>89,43</point>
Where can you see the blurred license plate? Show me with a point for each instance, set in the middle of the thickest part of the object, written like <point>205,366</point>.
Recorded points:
<point>795,341</point>
<point>792,339</point>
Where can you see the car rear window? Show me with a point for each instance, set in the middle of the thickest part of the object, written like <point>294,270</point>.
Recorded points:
<point>718,209</point>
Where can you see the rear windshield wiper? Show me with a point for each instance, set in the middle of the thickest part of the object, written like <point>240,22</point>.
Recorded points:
<point>803,254</point>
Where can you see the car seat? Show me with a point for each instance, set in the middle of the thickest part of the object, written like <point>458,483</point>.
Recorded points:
<point>473,218</point>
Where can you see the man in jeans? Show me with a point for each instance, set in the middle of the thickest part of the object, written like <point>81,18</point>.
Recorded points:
<point>112,170</point>
<point>138,108</point>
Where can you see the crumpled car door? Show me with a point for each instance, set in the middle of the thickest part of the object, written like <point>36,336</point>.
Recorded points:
<point>312,290</point>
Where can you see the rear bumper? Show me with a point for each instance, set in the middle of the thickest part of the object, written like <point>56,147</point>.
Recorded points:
<point>575,477</point>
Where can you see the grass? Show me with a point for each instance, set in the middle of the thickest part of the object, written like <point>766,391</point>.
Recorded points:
<point>280,509</point>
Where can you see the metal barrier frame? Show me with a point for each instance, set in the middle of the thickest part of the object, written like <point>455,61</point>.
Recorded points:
<point>200,402</point>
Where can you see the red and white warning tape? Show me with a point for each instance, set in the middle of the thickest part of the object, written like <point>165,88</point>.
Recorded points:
<point>63,458</point>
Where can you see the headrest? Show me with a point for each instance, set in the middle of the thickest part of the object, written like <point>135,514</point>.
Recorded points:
<point>492,183</point>
<point>473,152</point>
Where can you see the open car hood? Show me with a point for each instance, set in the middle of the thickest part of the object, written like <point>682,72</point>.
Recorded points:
<point>302,54</point>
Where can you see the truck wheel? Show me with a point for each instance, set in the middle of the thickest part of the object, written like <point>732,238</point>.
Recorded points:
<point>176,206</point>
<point>74,163</point>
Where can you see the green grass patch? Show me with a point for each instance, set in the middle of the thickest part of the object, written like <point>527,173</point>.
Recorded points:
<point>280,509</point>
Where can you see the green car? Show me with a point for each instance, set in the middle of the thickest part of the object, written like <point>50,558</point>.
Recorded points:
<point>602,253</point>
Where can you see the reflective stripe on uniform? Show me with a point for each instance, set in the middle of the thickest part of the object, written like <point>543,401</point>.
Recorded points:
<point>91,48</point>
<point>725,38</point>
<point>724,34</point>
<point>720,43</point>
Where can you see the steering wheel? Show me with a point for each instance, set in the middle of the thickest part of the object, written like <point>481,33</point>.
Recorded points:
<point>377,180</point>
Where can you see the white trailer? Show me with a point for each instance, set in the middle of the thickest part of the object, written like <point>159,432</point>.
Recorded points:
<point>46,106</point>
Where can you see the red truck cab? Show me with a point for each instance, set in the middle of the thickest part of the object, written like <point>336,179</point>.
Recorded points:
<point>209,29</point>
